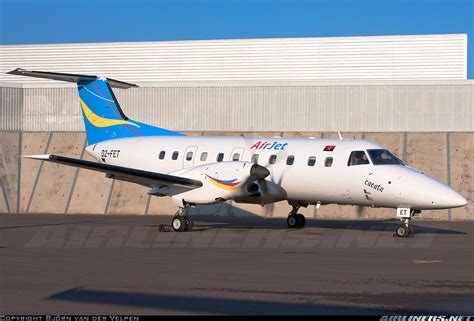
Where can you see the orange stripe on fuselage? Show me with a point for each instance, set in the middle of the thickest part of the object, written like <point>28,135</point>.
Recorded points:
<point>232,187</point>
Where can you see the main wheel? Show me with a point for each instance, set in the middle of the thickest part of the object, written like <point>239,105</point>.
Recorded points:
<point>189,223</point>
<point>402,231</point>
<point>292,221</point>
<point>178,223</point>
<point>300,220</point>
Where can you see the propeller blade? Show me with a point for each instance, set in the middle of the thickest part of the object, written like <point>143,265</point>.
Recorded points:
<point>360,211</point>
<point>268,210</point>
<point>263,185</point>
<point>259,171</point>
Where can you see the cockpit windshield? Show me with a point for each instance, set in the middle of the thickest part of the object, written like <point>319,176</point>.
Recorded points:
<point>383,157</point>
<point>358,157</point>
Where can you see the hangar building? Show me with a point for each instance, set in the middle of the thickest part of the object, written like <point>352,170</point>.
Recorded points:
<point>410,93</point>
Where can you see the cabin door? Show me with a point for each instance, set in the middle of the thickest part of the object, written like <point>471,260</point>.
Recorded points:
<point>189,156</point>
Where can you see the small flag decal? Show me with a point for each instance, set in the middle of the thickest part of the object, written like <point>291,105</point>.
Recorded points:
<point>329,148</point>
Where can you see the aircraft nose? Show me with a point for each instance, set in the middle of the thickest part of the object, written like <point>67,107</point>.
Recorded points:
<point>450,198</point>
<point>430,193</point>
<point>456,199</point>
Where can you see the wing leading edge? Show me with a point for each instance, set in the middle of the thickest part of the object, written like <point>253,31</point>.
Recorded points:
<point>146,178</point>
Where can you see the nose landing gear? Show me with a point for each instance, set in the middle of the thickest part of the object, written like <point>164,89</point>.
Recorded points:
<point>405,215</point>
<point>403,230</point>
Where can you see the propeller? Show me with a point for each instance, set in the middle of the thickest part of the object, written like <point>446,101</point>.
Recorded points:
<point>265,171</point>
<point>259,171</point>
<point>360,211</point>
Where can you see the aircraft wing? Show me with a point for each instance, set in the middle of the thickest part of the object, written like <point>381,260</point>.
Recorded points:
<point>149,179</point>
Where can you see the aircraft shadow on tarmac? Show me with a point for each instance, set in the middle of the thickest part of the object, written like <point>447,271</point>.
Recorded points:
<point>255,222</point>
<point>48,224</point>
<point>192,304</point>
<point>203,223</point>
<point>249,220</point>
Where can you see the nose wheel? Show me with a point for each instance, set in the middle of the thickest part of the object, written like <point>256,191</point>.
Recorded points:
<point>403,231</point>
<point>405,215</point>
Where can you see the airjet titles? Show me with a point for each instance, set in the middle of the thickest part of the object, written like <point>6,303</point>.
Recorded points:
<point>266,145</point>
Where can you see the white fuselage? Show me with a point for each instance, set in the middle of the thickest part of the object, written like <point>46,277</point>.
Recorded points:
<point>391,186</point>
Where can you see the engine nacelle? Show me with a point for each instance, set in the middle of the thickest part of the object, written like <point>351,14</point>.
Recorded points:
<point>222,181</point>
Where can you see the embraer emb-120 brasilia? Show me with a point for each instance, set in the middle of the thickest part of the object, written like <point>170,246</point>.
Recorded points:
<point>208,170</point>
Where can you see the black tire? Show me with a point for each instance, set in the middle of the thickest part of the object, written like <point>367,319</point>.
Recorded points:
<point>292,221</point>
<point>402,231</point>
<point>300,220</point>
<point>189,223</point>
<point>178,223</point>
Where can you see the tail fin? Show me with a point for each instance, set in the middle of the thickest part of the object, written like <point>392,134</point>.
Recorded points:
<point>103,117</point>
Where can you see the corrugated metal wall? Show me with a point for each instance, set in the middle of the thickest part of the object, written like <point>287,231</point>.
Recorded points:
<point>52,109</point>
<point>304,106</point>
<point>11,105</point>
<point>384,57</point>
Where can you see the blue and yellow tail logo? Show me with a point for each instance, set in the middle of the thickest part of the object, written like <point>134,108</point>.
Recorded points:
<point>103,117</point>
<point>98,121</point>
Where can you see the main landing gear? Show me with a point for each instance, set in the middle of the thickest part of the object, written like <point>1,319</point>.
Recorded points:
<point>405,215</point>
<point>295,219</point>
<point>181,222</point>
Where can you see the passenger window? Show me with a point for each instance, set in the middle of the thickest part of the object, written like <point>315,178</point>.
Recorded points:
<point>203,156</point>
<point>290,160</point>
<point>254,159</point>
<point>328,162</point>
<point>220,157</point>
<point>162,154</point>
<point>189,156</point>
<point>272,159</point>
<point>311,161</point>
<point>236,157</point>
<point>358,157</point>
<point>175,155</point>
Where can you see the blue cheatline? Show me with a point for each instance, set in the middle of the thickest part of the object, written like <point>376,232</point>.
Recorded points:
<point>103,117</point>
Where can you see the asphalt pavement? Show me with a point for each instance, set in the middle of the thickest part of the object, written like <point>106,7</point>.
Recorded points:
<point>129,264</point>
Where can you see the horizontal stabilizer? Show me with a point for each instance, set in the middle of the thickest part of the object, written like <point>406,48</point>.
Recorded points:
<point>103,116</point>
<point>146,178</point>
<point>68,77</point>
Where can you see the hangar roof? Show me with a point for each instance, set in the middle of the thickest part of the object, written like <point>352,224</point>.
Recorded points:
<point>407,57</point>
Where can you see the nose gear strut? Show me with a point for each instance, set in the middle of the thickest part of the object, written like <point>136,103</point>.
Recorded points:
<point>405,215</point>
